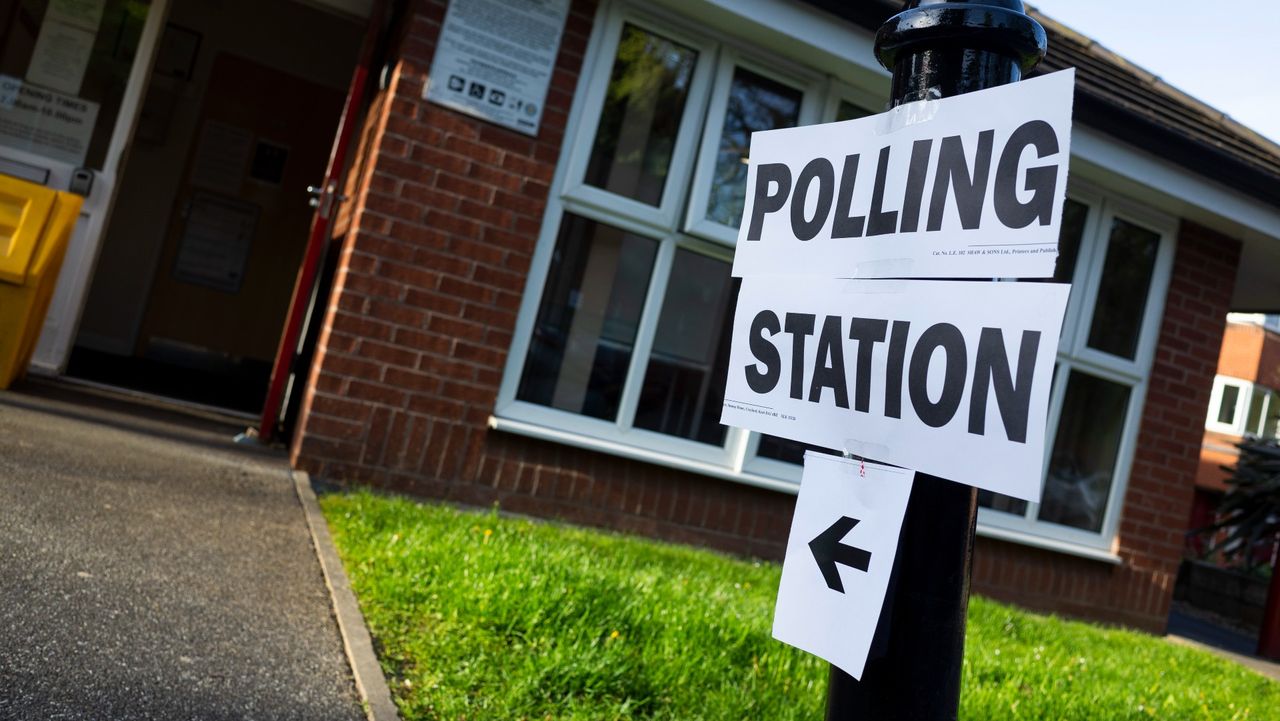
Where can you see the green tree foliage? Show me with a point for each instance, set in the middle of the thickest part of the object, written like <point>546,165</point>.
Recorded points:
<point>1250,510</point>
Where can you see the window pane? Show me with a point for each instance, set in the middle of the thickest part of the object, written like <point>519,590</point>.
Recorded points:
<point>1122,295</point>
<point>787,450</point>
<point>587,320</point>
<point>848,111</point>
<point>684,382</point>
<point>1272,416</point>
<point>641,116</point>
<point>755,103</point>
<point>1227,408</point>
<point>1074,214</point>
<point>1257,403</point>
<point>1001,502</point>
<point>1084,452</point>
<point>1009,504</point>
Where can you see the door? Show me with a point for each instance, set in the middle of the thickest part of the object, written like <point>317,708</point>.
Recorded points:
<point>71,74</point>
<point>239,225</point>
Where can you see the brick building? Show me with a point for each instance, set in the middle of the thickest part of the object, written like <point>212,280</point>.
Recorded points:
<point>540,320</point>
<point>1244,404</point>
<point>452,365</point>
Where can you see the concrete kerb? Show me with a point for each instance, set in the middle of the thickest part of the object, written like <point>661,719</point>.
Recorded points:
<point>1270,669</point>
<point>370,682</point>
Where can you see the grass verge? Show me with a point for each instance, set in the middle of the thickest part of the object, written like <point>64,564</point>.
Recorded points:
<point>482,617</point>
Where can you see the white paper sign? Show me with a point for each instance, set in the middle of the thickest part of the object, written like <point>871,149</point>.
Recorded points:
<point>495,57</point>
<point>216,242</point>
<point>61,57</point>
<point>950,378</point>
<point>85,14</point>
<point>965,187</point>
<point>42,121</point>
<point>844,536</point>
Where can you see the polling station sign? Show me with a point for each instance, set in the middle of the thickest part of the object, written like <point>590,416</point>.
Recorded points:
<point>949,378</point>
<point>970,186</point>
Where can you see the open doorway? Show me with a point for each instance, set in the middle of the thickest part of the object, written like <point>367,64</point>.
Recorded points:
<point>200,255</point>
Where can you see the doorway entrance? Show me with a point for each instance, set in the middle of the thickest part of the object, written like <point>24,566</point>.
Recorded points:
<point>201,252</point>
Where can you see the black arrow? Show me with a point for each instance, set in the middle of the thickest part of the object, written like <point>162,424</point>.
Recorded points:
<point>828,551</point>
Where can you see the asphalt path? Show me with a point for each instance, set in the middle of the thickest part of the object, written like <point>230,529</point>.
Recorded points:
<point>151,569</point>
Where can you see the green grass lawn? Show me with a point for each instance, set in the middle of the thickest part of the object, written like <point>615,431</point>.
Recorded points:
<point>481,617</point>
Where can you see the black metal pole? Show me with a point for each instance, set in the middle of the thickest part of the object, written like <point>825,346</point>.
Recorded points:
<point>935,49</point>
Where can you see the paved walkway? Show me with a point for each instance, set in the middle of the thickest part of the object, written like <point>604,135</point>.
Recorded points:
<point>1191,631</point>
<point>150,569</point>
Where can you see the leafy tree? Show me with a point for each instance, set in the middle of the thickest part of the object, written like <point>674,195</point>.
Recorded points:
<point>1250,511</point>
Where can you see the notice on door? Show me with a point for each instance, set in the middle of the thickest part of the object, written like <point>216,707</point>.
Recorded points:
<point>495,58</point>
<point>215,243</point>
<point>949,378</point>
<point>44,122</point>
<point>63,47</point>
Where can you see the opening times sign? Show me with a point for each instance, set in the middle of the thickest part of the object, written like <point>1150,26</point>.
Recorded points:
<point>495,58</point>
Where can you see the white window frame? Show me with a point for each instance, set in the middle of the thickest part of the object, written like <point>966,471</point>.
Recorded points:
<point>736,459</point>
<point>1074,354</point>
<point>811,104</point>
<point>663,216</point>
<point>718,56</point>
<point>839,91</point>
<point>1243,401</point>
<point>1264,415</point>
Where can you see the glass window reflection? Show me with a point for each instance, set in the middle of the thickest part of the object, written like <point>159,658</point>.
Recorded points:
<point>684,383</point>
<point>1082,466</point>
<point>643,107</point>
<point>755,103</point>
<point>586,327</point>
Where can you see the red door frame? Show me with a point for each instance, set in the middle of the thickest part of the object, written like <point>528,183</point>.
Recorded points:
<point>318,238</point>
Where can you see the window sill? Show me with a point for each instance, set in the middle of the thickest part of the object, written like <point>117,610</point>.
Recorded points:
<point>1049,544</point>
<point>533,430</point>
<point>554,435</point>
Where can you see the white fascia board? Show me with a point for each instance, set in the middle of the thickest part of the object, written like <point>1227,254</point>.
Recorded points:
<point>801,32</point>
<point>1131,171</point>
<point>1172,188</point>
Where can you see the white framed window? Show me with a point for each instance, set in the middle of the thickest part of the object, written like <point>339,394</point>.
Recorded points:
<point>1118,257</point>
<point>1243,408</point>
<point>623,335</point>
<point>623,339</point>
<point>1227,405</point>
<point>750,94</point>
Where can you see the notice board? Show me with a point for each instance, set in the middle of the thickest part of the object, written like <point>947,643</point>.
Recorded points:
<point>495,58</point>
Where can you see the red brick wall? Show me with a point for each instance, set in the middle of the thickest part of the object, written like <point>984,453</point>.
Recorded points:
<point>432,272</point>
<point>1269,360</point>
<point>1162,481</point>
<point>1241,348</point>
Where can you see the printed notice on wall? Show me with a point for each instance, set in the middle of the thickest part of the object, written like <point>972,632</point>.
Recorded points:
<point>50,124</point>
<point>970,186</point>
<point>950,378</point>
<point>62,50</point>
<point>495,58</point>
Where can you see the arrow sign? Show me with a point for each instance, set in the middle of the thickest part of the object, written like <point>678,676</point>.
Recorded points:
<point>828,551</point>
<point>838,627</point>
